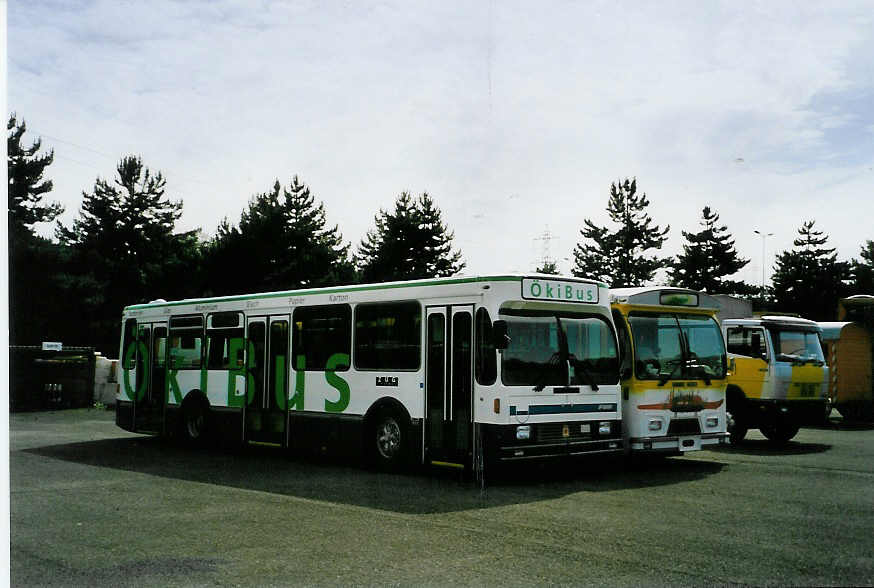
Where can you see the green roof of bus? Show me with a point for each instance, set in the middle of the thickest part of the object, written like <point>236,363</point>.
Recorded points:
<point>363,287</point>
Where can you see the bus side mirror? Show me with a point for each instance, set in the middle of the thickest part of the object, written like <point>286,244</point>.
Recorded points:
<point>499,332</point>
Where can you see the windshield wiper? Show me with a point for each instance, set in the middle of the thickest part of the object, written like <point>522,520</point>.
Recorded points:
<point>579,365</point>
<point>546,369</point>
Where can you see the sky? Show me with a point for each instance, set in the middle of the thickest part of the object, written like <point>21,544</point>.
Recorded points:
<point>515,117</point>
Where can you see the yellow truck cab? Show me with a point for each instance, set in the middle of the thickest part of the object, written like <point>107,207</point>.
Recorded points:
<point>777,377</point>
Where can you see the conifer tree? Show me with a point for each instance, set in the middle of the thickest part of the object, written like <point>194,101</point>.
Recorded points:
<point>35,263</point>
<point>618,257</point>
<point>809,280</point>
<point>27,184</point>
<point>409,243</point>
<point>123,246</point>
<point>863,270</point>
<point>283,242</point>
<point>708,258</point>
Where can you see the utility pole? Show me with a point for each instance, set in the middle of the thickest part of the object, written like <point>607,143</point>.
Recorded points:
<point>764,236</point>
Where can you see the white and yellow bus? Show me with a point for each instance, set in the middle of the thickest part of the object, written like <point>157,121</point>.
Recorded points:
<point>673,369</point>
<point>444,371</point>
<point>779,379</point>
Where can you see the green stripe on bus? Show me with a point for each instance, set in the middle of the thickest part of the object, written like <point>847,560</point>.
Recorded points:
<point>339,289</point>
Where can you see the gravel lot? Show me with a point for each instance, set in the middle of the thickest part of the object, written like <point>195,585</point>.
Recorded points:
<point>94,505</point>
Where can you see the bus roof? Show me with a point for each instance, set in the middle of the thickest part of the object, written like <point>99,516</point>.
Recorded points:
<point>372,286</point>
<point>777,321</point>
<point>664,296</point>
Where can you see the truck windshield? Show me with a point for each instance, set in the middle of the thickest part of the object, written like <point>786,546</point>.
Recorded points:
<point>677,346</point>
<point>547,349</point>
<point>797,346</point>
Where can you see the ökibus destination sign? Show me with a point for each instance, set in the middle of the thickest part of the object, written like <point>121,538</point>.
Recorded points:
<point>559,291</point>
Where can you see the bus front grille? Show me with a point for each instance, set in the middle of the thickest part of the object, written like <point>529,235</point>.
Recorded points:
<point>555,432</point>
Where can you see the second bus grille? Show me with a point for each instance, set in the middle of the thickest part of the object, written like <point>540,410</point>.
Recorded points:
<point>684,427</point>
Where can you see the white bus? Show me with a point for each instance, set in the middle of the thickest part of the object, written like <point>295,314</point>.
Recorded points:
<point>444,371</point>
<point>673,369</point>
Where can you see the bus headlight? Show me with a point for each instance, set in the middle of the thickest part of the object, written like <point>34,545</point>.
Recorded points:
<point>523,432</point>
<point>712,421</point>
<point>655,425</point>
<point>604,428</point>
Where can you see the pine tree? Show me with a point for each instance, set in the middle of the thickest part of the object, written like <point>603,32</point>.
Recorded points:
<point>27,185</point>
<point>708,258</point>
<point>35,263</point>
<point>283,242</point>
<point>548,267</point>
<point>123,246</point>
<point>809,279</point>
<point>618,257</point>
<point>410,243</point>
<point>863,270</point>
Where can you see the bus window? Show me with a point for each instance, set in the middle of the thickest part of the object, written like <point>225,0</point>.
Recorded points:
<point>319,333</point>
<point>486,360</point>
<point>388,336</point>
<point>185,351</point>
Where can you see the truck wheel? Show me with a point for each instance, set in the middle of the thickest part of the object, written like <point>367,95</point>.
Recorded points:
<point>737,429</point>
<point>779,433</point>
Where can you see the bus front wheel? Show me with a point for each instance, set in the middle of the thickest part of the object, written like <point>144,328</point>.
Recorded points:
<point>389,438</point>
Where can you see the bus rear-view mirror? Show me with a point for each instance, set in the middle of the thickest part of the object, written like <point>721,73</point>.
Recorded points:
<point>499,332</point>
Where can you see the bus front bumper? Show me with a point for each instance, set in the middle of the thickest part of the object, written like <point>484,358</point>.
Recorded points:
<point>553,440</point>
<point>679,443</point>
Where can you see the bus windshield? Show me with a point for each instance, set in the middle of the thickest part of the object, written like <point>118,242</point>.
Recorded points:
<point>549,349</point>
<point>797,346</point>
<point>670,346</point>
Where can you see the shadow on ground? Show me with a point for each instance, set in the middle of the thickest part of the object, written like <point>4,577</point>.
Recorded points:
<point>765,447</point>
<point>420,491</point>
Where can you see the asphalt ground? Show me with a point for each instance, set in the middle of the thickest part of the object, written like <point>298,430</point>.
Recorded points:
<point>92,505</point>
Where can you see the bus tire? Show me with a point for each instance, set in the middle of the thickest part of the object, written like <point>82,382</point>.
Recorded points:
<point>388,439</point>
<point>195,418</point>
<point>779,433</point>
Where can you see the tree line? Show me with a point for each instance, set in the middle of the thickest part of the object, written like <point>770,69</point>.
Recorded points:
<point>124,248</point>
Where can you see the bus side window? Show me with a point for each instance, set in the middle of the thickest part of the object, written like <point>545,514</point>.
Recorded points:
<point>624,345</point>
<point>486,358</point>
<point>321,332</point>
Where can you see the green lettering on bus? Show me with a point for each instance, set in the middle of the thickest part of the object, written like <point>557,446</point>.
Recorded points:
<point>337,382</point>
<point>297,399</point>
<point>235,348</point>
<point>279,383</point>
<point>142,378</point>
<point>173,387</point>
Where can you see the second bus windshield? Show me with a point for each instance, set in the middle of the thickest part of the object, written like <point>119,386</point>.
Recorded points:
<point>672,346</point>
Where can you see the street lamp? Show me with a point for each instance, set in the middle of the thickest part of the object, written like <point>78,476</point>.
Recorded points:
<point>763,236</point>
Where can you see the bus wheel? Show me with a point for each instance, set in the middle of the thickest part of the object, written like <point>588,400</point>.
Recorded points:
<point>194,417</point>
<point>389,438</point>
<point>779,433</point>
<point>737,429</point>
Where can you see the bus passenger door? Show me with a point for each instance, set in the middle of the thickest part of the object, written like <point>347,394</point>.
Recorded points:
<point>151,375</point>
<point>449,385</point>
<point>267,380</point>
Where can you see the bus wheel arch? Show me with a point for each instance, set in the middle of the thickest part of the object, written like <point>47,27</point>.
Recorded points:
<point>387,434</point>
<point>194,424</point>
<point>735,414</point>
